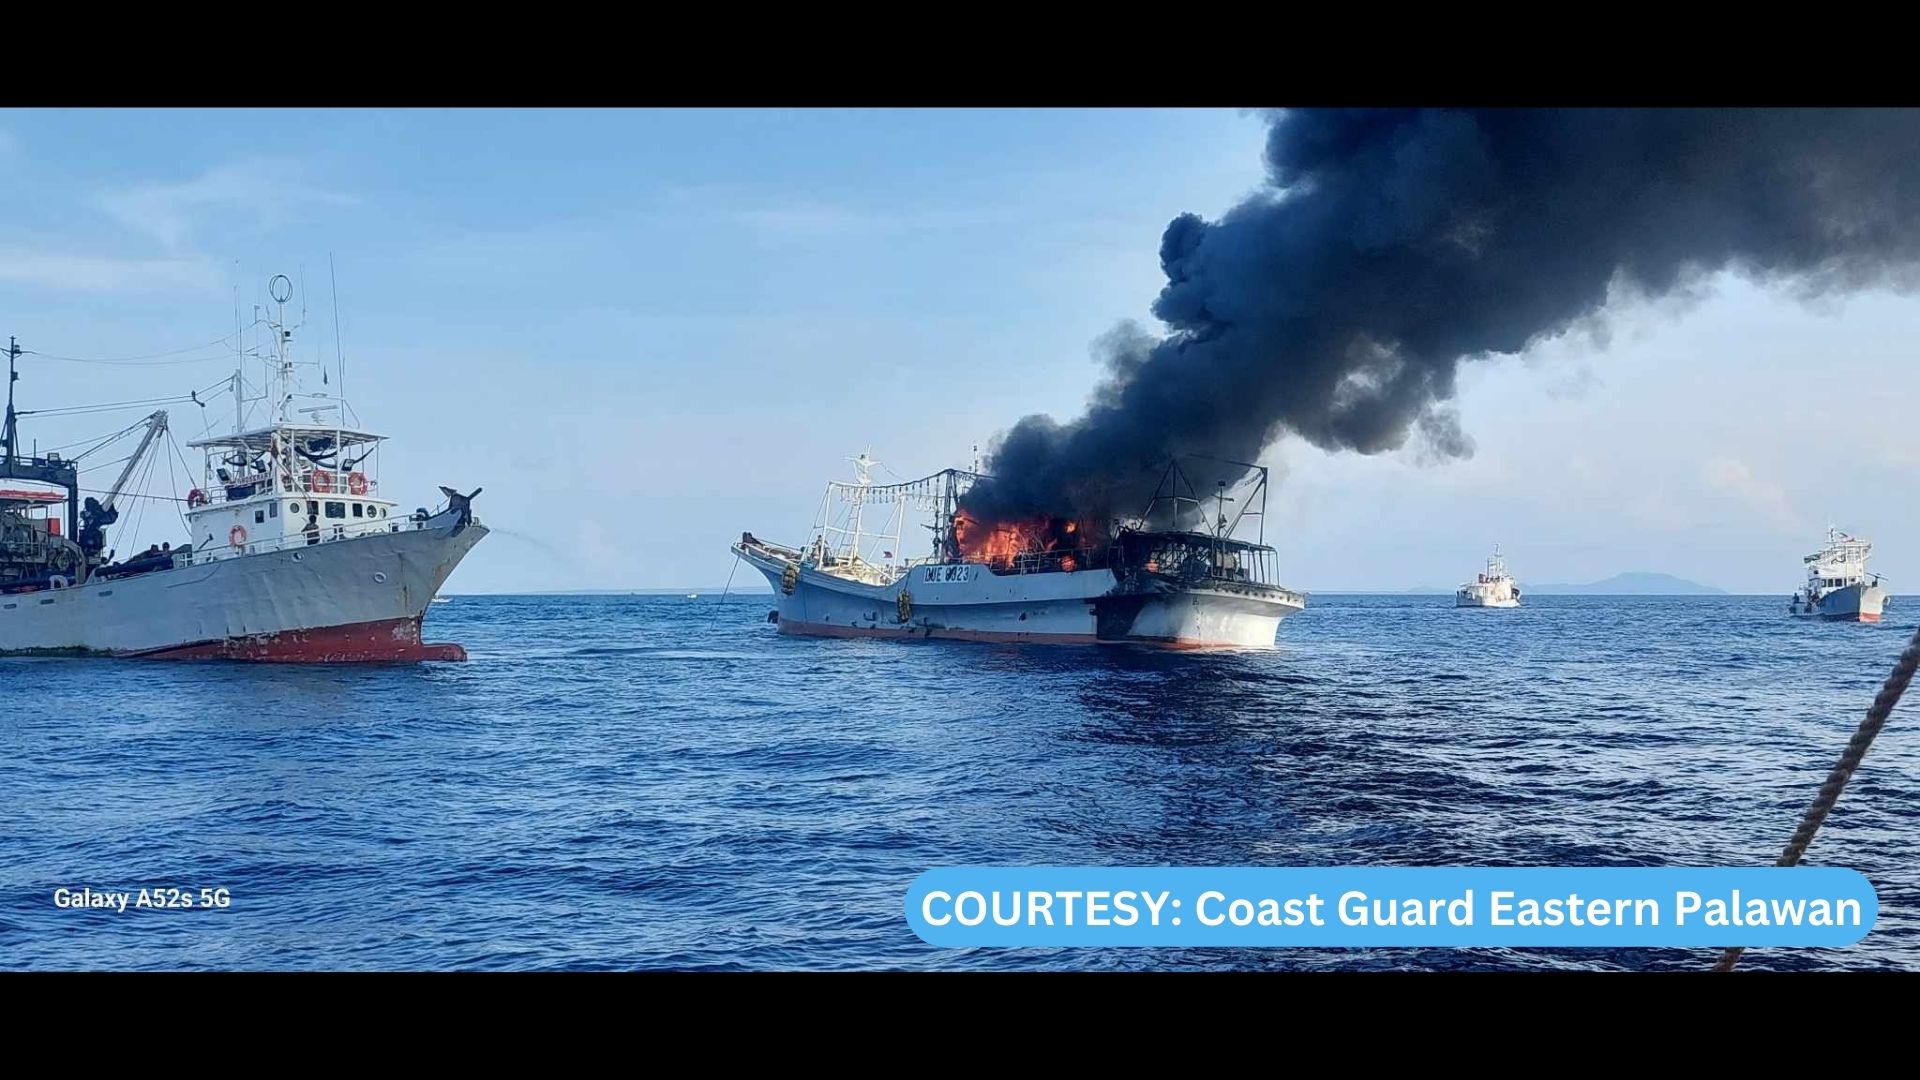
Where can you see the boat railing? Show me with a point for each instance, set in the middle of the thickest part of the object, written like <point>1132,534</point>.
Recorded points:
<point>238,488</point>
<point>296,541</point>
<point>333,483</point>
<point>1042,562</point>
<point>330,485</point>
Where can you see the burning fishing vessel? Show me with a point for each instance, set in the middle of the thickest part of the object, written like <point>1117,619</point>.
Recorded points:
<point>1839,586</point>
<point>291,552</point>
<point>1176,576</point>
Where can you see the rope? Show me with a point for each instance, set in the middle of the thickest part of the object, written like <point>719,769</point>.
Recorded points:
<point>98,442</point>
<point>1883,704</point>
<point>86,410</point>
<point>129,533</point>
<point>126,495</point>
<point>219,341</point>
<point>729,588</point>
<point>187,470</point>
<point>173,484</point>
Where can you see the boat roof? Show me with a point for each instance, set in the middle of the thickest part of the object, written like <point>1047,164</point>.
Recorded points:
<point>1186,537</point>
<point>262,438</point>
<point>8,495</point>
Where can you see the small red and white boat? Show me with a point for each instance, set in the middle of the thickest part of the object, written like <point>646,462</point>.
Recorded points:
<point>293,553</point>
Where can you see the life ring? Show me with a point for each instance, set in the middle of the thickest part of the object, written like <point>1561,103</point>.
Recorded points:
<point>906,605</point>
<point>237,536</point>
<point>196,497</point>
<point>789,578</point>
<point>321,481</point>
<point>57,582</point>
<point>357,483</point>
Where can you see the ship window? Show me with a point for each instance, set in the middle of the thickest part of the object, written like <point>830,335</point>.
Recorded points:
<point>259,517</point>
<point>336,509</point>
<point>293,508</point>
<point>273,509</point>
<point>357,510</point>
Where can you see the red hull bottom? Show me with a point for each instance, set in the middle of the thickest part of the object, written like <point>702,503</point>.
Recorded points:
<point>391,641</point>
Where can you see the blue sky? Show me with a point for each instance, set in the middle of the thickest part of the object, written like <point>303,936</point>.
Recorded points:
<point>643,332</point>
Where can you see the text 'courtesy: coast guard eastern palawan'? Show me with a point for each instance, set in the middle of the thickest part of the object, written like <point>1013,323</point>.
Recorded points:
<point>1477,906</point>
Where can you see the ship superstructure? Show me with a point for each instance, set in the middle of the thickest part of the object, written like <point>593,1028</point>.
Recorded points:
<point>291,551</point>
<point>1839,586</point>
<point>1188,582</point>
<point>1491,588</point>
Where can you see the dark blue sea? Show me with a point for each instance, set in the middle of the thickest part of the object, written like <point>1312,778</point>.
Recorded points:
<point>663,782</point>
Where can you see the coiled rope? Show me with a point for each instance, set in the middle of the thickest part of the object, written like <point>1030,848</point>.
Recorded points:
<point>1883,704</point>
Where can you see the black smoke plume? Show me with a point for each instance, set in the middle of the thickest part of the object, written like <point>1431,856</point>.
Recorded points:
<point>1390,245</point>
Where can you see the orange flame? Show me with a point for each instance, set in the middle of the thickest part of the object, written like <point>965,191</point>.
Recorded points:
<point>998,544</point>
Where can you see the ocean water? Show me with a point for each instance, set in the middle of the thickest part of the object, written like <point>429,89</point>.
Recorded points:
<point>663,782</point>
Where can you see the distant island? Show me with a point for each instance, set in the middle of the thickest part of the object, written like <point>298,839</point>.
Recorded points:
<point>1637,583</point>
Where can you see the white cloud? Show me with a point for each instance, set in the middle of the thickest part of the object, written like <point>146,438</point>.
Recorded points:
<point>96,274</point>
<point>266,190</point>
<point>1764,497</point>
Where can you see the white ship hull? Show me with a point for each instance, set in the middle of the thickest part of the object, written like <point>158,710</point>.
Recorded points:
<point>360,598</point>
<point>1484,601</point>
<point>1853,603</point>
<point>969,602</point>
<point>1491,589</point>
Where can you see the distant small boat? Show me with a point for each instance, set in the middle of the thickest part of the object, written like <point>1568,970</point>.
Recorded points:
<point>1492,588</point>
<point>440,600</point>
<point>1839,585</point>
<point>693,596</point>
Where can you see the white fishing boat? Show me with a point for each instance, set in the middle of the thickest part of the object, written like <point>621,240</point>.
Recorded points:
<point>1491,588</point>
<point>1049,580</point>
<point>291,550</point>
<point>1839,587</point>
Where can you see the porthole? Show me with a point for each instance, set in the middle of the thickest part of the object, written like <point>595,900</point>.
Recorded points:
<point>293,508</point>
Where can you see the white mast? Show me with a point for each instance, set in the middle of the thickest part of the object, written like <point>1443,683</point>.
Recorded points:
<point>281,290</point>
<point>862,475</point>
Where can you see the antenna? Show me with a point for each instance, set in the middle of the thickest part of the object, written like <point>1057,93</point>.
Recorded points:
<point>239,358</point>
<point>339,356</point>
<point>280,290</point>
<point>12,431</point>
